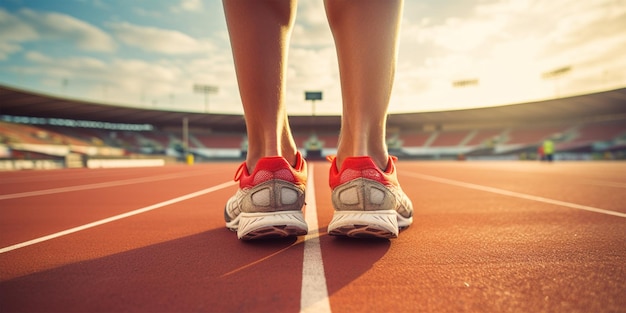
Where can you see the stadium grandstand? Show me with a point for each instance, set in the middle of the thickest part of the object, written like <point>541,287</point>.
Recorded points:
<point>43,131</point>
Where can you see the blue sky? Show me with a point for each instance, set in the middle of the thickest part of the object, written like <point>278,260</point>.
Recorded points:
<point>150,53</point>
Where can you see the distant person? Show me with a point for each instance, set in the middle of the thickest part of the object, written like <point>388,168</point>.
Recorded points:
<point>366,195</point>
<point>540,154</point>
<point>548,150</point>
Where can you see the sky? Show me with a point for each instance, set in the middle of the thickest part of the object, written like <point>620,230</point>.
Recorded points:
<point>151,53</point>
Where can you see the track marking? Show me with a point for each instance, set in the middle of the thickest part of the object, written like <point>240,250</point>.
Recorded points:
<point>117,217</point>
<point>314,294</point>
<point>95,186</point>
<point>513,194</point>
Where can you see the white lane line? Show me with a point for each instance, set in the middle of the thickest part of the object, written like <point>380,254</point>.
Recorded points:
<point>314,295</point>
<point>95,186</point>
<point>513,194</point>
<point>117,217</point>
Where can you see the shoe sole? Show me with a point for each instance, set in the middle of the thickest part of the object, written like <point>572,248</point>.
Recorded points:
<point>364,224</point>
<point>281,224</point>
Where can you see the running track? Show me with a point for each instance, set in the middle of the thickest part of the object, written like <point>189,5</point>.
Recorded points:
<point>487,237</point>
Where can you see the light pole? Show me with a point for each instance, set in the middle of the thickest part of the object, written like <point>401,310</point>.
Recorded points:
<point>206,90</point>
<point>64,83</point>
<point>185,137</point>
<point>467,89</point>
<point>313,145</point>
<point>465,83</point>
<point>556,74</point>
<point>313,95</point>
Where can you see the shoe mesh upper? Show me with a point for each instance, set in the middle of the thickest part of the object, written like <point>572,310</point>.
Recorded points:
<point>269,168</point>
<point>265,175</point>
<point>274,185</point>
<point>362,167</point>
<point>369,173</point>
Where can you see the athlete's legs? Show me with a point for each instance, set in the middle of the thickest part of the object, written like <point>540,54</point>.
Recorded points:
<point>259,35</point>
<point>365,35</point>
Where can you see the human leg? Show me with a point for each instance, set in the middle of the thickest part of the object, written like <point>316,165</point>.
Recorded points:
<point>365,34</point>
<point>259,34</point>
<point>366,193</point>
<point>272,180</point>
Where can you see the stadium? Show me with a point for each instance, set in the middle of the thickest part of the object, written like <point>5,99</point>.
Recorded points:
<point>123,188</point>
<point>132,220</point>
<point>40,131</point>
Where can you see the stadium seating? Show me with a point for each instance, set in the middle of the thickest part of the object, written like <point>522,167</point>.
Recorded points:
<point>533,135</point>
<point>600,131</point>
<point>415,139</point>
<point>449,138</point>
<point>440,144</point>
<point>484,137</point>
<point>219,140</point>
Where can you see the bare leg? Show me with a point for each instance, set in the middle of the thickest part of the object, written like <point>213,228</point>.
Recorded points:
<point>365,33</point>
<point>259,35</point>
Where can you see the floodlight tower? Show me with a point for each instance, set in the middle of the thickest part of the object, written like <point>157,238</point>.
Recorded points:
<point>556,74</point>
<point>313,95</point>
<point>465,83</point>
<point>206,90</point>
<point>185,137</point>
<point>468,84</point>
<point>314,146</point>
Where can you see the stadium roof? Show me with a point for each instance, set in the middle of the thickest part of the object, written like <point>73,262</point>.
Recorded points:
<point>17,102</point>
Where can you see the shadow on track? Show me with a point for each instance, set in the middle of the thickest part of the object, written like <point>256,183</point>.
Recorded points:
<point>209,271</point>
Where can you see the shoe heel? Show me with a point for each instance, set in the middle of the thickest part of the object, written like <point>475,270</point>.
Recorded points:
<point>364,224</point>
<point>271,225</point>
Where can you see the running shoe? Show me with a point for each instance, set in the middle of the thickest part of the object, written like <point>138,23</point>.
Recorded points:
<point>368,201</point>
<point>269,201</point>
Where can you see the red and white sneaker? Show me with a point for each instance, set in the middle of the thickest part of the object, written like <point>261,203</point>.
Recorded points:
<point>368,201</point>
<point>269,201</point>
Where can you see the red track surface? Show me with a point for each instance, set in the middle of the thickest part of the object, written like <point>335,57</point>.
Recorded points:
<point>487,237</point>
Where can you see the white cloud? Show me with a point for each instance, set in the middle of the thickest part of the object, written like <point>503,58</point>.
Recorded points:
<point>311,28</point>
<point>14,29</point>
<point>83,67</point>
<point>57,26</point>
<point>7,48</point>
<point>507,45</point>
<point>313,70</point>
<point>159,40</point>
<point>29,26</point>
<point>166,83</point>
<point>191,5</point>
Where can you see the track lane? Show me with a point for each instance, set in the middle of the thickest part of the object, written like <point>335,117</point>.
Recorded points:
<point>56,181</point>
<point>30,217</point>
<point>146,263</point>
<point>468,250</point>
<point>177,258</point>
<point>478,251</point>
<point>562,182</point>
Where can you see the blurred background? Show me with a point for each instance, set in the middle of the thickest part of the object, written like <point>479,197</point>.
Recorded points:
<point>89,80</point>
